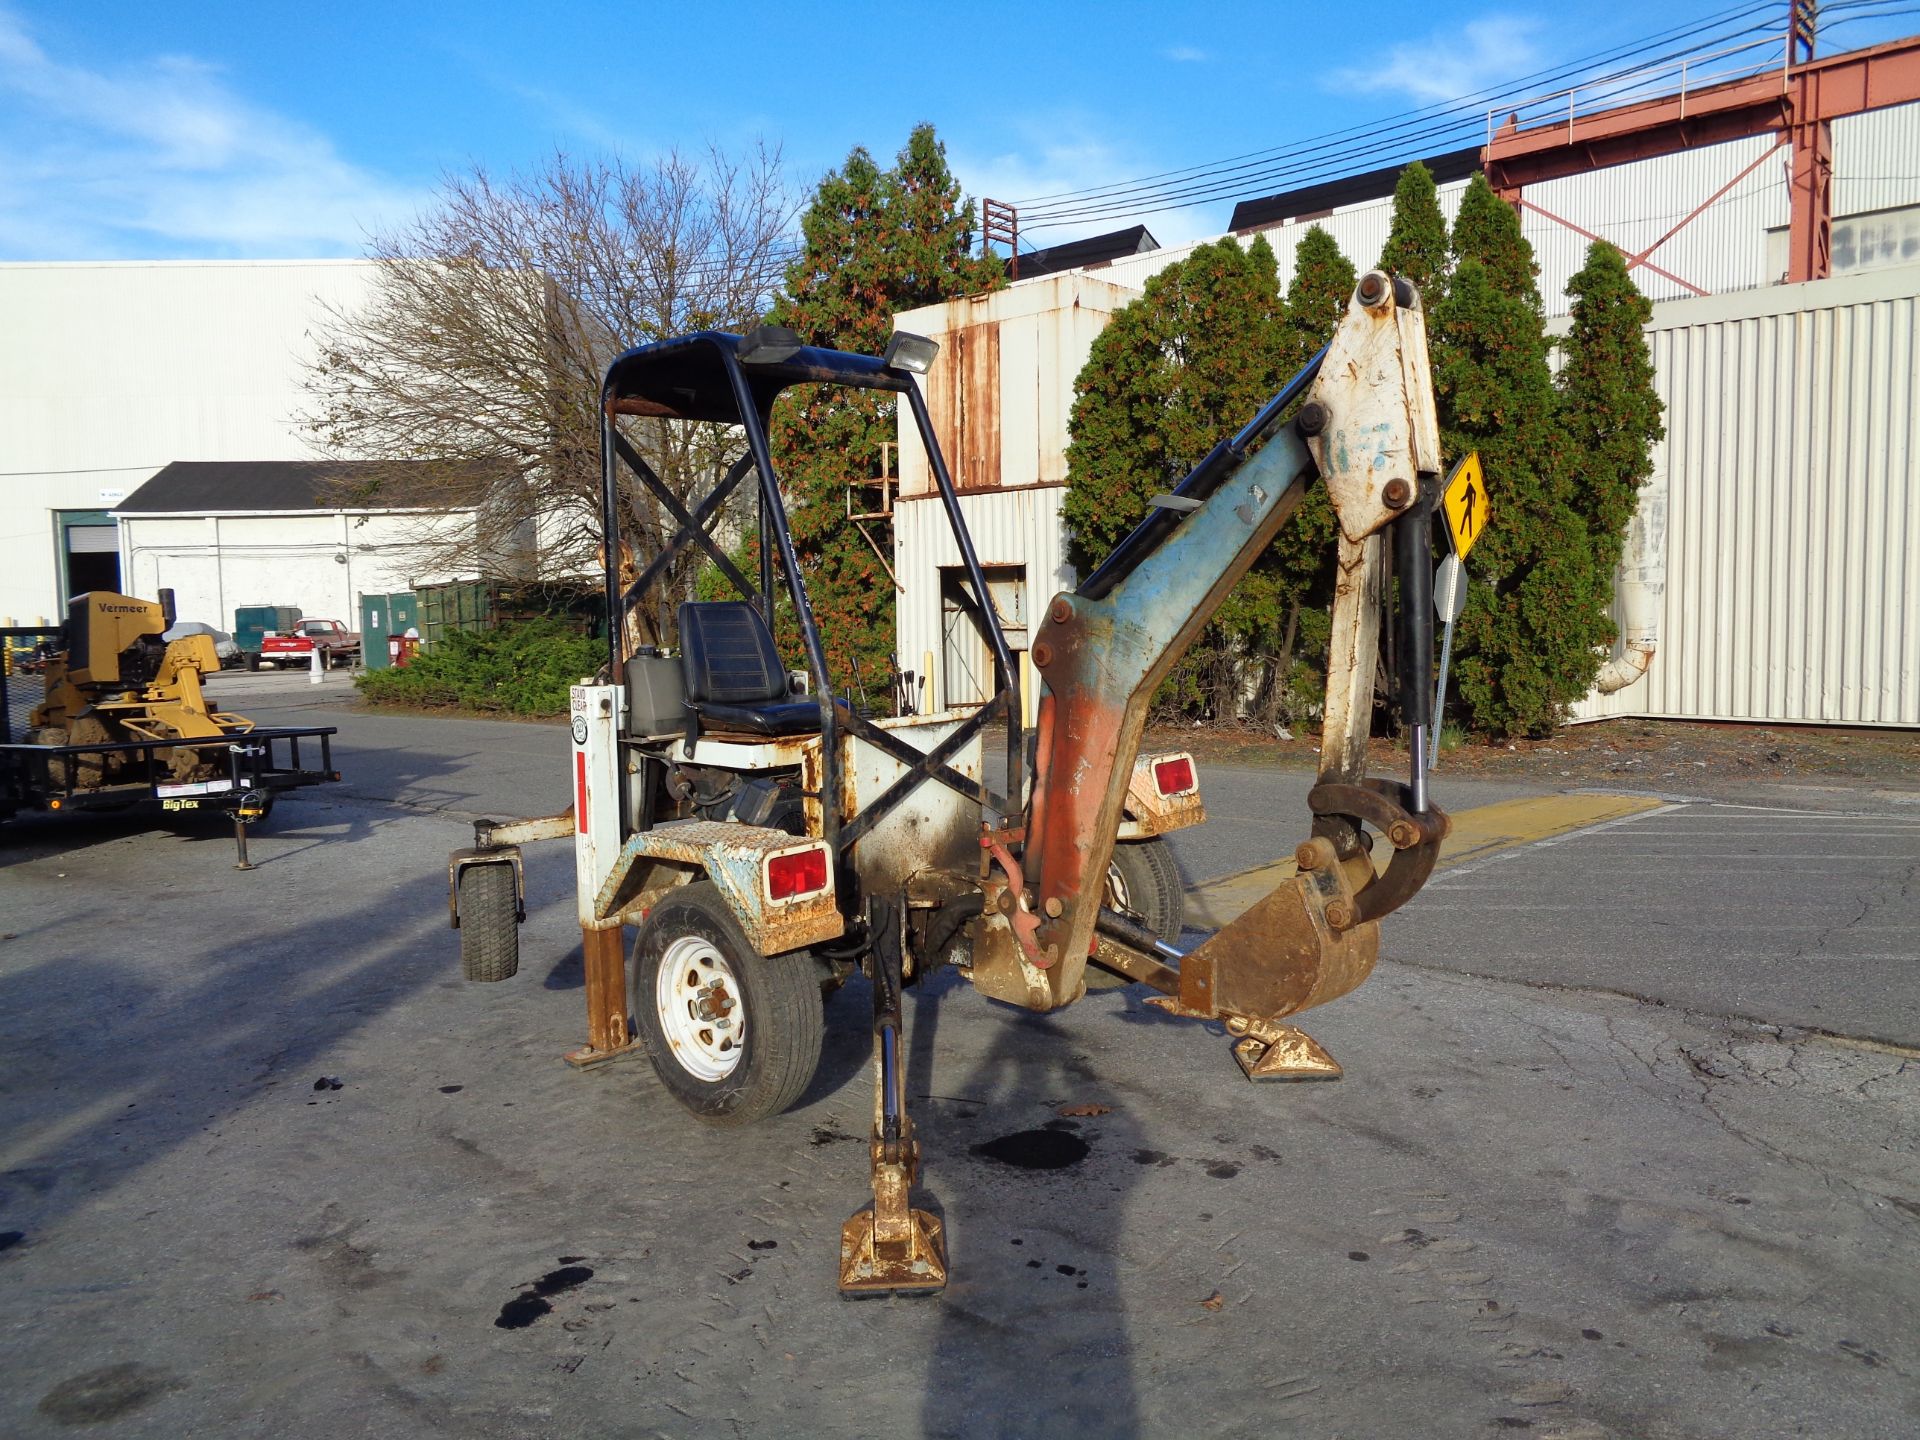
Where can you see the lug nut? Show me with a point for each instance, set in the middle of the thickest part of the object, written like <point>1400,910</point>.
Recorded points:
<point>1042,654</point>
<point>1397,494</point>
<point>1339,915</point>
<point>1312,418</point>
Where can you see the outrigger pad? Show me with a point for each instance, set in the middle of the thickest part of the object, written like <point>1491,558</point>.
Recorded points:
<point>915,1264</point>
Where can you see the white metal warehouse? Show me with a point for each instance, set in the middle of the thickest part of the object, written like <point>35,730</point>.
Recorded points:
<point>110,373</point>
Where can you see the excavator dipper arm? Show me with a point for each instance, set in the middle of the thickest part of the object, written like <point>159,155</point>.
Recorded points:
<point>1368,432</point>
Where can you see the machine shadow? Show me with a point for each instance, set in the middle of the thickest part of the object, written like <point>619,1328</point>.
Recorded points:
<point>1034,1203</point>
<point>115,1051</point>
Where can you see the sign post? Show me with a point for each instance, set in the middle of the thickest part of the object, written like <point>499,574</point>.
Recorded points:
<point>1463,504</point>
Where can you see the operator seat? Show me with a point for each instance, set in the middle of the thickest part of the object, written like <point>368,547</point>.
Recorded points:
<point>733,675</point>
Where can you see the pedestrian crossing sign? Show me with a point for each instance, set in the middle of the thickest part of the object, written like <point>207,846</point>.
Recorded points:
<point>1464,504</point>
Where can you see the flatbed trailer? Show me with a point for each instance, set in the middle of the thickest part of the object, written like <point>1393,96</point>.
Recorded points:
<point>259,763</point>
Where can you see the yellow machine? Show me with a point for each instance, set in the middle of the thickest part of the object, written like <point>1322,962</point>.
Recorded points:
<point>118,680</point>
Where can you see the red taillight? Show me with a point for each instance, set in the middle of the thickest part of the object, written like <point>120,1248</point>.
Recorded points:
<point>1174,777</point>
<point>799,872</point>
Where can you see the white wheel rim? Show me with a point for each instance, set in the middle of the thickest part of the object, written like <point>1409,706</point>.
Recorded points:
<point>702,1014</point>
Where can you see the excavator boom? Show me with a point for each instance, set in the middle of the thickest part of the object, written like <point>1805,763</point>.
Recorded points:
<point>1367,430</point>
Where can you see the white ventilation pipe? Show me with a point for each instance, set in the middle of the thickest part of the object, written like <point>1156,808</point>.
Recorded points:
<point>1640,592</point>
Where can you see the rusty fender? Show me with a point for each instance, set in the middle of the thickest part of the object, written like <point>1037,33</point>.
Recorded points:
<point>734,857</point>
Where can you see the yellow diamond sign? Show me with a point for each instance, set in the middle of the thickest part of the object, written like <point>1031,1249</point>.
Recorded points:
<point>1464,504</point>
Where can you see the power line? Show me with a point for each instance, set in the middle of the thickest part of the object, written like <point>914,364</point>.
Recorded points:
<point>1338,153</point>
<point>1328,157</point>
<point>1036,203</point>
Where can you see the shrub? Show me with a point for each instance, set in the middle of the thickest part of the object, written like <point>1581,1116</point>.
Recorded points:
<point>525,668</point>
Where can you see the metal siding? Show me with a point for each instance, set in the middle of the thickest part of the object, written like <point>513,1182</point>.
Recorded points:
<point>1793,543</point>
<point>1876,160</point>
<point>1045,328</point>
<point>1019,527</point>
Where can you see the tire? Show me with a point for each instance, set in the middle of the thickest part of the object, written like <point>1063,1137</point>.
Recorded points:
<point>489,929</point>
<point>690,952</point>
<point>251,659</point>
<point>1144,882</point>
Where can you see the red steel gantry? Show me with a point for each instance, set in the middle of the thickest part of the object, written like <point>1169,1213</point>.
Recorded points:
<point>1795,103</point>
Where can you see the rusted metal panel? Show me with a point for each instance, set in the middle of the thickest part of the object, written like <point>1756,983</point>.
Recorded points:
<point>1791,547</point>
<point>1042,332</point>
<point>934,827</point>
<point>1021,528</point>
<point>979,369</point>
<point>735,858</point>
<point>963,397</point>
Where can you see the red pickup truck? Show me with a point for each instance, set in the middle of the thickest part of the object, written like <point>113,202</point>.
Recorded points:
<point>337,645</point>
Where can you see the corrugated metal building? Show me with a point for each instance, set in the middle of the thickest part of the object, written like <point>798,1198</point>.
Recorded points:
<point>1737,243</point>
<point>1782,519</point>
<point>999,395</point>
<point>1769,362</point>
<point>230,534</point>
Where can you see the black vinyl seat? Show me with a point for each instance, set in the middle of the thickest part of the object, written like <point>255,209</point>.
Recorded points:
<point>733,675</point>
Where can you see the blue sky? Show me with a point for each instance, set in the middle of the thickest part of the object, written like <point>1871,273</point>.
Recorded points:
<point>167,130</point>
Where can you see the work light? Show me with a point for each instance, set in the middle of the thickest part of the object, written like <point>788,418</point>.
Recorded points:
<point>912,353</point>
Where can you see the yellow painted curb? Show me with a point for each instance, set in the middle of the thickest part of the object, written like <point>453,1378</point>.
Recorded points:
<point>1479,832</point>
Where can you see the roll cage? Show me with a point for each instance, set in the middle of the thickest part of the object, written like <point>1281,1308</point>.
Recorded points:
<point>716,377</point>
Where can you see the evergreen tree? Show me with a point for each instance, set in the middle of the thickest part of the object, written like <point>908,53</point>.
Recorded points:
<point>1537,607</point>
<point>1417,242</point>
<point>1323,281</point>
<point>1609,408</point>
<point>1488,229</point>
<point>876,242</point>
<point>1173,374</point>
<point>1305,551</point>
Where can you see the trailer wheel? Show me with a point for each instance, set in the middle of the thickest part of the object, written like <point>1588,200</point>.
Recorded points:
<point>251,659</point>
<point>734,1036</point>
<point>489,925</point>
<point>1144,882</point>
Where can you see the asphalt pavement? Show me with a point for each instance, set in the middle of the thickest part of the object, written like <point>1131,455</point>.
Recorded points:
<point>269,1167</point>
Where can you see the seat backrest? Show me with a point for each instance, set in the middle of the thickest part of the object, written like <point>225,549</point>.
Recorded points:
<point>727,655</point>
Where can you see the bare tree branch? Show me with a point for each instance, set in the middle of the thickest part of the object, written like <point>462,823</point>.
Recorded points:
<point>495,316</point>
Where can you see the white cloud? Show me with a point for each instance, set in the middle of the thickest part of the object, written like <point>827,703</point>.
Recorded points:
<point>1187,55</point>
<point>160,158</point>
<point>1451,63</point>
<point>1070,156</point>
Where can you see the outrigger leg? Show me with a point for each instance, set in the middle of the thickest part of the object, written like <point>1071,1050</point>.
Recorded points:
<point>891,1248</point>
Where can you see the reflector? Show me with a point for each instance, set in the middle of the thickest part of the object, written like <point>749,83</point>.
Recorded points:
<point>798,872</point>
<point>1174,777</point>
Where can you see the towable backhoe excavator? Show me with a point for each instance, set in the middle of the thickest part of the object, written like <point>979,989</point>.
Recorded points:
<point>767,840</point>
